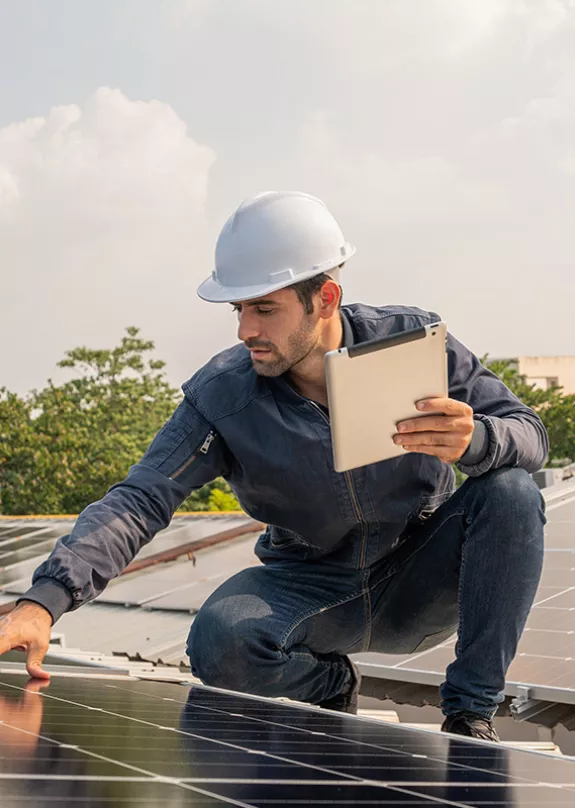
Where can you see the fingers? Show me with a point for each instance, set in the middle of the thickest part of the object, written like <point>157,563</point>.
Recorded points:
<point>447,406</point>
<point>433,423</point>
<point>447,446</point>
<point>430,439</point>
<point>6,641</point>
<point>35,685</point>
<point>28,627</point>
<point>445,453</point>
<point>35,657</point>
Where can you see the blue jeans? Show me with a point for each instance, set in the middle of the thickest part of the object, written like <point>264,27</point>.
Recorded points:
<point>285,629</point>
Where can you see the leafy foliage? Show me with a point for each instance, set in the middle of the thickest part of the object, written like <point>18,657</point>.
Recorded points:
<point>556,409</point>
<point>62,447</point>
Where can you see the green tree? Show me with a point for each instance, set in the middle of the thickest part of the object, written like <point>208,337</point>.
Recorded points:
<point>62,447</point>
<point>555,408</point>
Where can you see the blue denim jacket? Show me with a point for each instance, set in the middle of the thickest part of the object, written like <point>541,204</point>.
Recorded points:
<point>274,448</point>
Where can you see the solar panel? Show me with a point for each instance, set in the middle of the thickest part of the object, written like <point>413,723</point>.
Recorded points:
<point>185,529</point>
<point>145,587</point>
<point>15,529</point>
<point>24,546</point>
<point>546,653</point>
<point>26,543</point>
<point>17,577</point>
<point>189,598</point>
<point>23,552</point>
<point>118,741</point>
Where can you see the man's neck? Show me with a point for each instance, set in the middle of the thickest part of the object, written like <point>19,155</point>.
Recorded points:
<point>308,376</point>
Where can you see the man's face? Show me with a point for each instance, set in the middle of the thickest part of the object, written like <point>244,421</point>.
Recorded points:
<point>277,331</point>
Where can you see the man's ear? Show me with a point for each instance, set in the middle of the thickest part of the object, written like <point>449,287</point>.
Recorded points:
<point>329,299</point>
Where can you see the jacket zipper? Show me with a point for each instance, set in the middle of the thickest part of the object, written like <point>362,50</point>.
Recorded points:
<point>353,496</point>
<point>204,449</point>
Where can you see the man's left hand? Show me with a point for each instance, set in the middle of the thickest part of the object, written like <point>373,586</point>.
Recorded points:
<point>446,436</point>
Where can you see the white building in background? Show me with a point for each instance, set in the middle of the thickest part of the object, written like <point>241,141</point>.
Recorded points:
<point>547,371</point>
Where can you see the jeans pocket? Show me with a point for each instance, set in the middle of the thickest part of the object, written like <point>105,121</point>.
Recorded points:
<point>427,506</point>
<point>282,539</point>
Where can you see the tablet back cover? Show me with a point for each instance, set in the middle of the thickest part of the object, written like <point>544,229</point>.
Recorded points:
<point>369,393</point>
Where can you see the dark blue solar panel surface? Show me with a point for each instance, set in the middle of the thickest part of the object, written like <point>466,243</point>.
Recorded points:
<point>99,742</point>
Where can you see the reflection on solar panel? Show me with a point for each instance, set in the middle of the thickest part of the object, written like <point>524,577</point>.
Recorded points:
<point>546,652</point>
<point>96,742</point>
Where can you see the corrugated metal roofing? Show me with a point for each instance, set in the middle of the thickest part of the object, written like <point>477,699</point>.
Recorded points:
<point>156,636</point>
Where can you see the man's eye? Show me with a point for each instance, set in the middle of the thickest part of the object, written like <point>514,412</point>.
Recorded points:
<point>265,311</point>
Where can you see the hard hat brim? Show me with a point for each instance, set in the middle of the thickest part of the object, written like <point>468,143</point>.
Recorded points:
<point>213,292</point>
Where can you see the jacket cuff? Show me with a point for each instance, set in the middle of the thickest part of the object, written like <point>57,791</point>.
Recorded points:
<point>51,594</point>
<point>479,457</point>
<point>479,446</point>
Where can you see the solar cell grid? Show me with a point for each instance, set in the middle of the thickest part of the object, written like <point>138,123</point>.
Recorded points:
<point>18,577</point>
<point>14,531</point>
<point>16,555</point>
<point>26,540</point>
<point>96,742</point>
<point>559,578</point>
<point>184,529</point>
<point>560,644</point>
<point>550,618</point>
<point>189,598</point>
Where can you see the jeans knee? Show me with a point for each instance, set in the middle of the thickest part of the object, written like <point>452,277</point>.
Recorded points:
<point>213,648</point>
<point>513,505</point>
<point>228,654</point>
<point>512,490</point>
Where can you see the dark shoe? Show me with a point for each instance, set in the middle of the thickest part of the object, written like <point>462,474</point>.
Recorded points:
<point>471,725</point>
<point>346,702</point>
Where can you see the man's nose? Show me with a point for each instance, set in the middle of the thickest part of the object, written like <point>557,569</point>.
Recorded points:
<point>247,327</point>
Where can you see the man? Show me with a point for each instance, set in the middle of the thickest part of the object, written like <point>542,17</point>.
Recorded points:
<point>386,558</point>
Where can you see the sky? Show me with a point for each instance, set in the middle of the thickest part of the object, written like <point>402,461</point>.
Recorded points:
<point>441,134</point>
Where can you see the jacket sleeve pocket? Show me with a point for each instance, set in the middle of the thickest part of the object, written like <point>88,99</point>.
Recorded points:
<point>185,454</point>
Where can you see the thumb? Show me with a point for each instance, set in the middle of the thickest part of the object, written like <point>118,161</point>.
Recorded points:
<point>34,659</point>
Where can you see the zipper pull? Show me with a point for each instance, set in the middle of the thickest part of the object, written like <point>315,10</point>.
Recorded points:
<point>205,447</point>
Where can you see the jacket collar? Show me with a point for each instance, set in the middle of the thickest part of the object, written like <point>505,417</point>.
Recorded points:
<point>348,335</point>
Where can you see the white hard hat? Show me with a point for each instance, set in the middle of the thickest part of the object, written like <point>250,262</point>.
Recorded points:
<point>274,240</point>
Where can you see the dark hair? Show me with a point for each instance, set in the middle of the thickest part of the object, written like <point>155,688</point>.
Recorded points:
<point>306,290</point>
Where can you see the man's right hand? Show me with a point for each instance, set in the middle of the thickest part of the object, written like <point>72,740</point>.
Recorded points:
<point>28,627</point>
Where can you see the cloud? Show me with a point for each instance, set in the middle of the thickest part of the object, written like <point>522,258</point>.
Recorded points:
<point>424,190</point>
<point>113,163</point>
<point>102,218</point>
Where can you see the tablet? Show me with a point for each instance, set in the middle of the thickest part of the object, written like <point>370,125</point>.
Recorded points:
<point>374,385</point>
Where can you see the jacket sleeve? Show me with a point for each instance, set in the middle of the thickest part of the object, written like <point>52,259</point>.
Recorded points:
<point>186,454</point>
<point>508,433</point>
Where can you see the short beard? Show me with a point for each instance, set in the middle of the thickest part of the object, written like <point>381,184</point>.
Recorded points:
<point>300,345</point>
